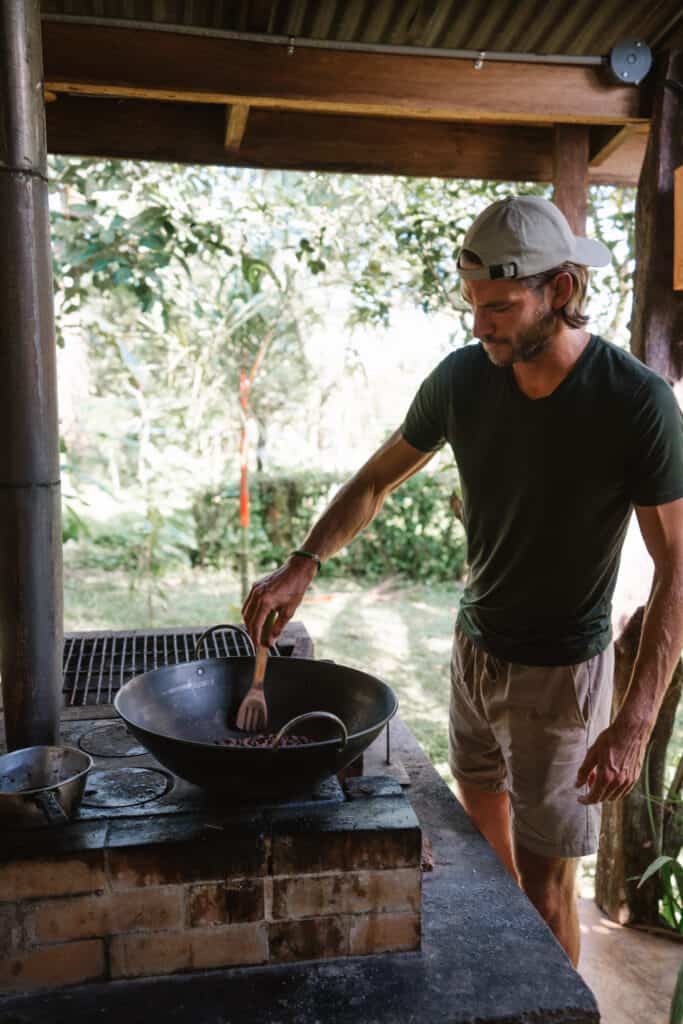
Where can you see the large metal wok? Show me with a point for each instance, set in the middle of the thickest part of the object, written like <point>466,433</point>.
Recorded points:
<point>183,714</point>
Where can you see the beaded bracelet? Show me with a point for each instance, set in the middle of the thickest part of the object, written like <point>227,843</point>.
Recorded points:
<point>308,554</point>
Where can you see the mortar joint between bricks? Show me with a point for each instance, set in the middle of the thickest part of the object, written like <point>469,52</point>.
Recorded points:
<point>107,866</point>
<point>106,955</point>
<point>185,908</point>
<point>268,899</point>
<point>106,855</point>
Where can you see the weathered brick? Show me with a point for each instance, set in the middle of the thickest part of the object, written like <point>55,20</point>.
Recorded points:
<point>108,914</point>
<point>61,920</point>
<point>311,939</point>
<point>133,956</point>
<point>151,910</point>
<point>348,893</point>
<point>231,902</point>
<point>383,933</point>
<point>26,879</point>
<point>11,932</point>
<point>230,946</point>
<point>68,964</point>
<point>346,851</point>
<point>175,863</point>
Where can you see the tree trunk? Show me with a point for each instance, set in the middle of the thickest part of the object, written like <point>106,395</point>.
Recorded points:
<point>636,830</point>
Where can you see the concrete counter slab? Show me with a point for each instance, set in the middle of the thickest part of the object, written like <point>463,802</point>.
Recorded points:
<point>486,956</point>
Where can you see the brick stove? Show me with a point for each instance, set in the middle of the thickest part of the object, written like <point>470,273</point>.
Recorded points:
<point>155,876</point>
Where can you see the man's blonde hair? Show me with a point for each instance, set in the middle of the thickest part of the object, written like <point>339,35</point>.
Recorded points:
<point>572,312</point>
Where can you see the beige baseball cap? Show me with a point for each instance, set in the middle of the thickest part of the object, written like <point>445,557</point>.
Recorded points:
<point>524,235</point>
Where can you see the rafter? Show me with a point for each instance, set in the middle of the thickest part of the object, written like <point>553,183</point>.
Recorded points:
<point>236,118</point>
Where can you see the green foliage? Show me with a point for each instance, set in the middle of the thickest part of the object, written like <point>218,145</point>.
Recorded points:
<point>141,545</point>
<point>416,535</point>
<point>671,889</point>
<point>665,869</point>
<point>218,532</point>
<point>282,508</point>
<point>102,249</point>
<point>74,526</point>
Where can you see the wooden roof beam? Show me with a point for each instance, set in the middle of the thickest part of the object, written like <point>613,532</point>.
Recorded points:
<point>169,66</point>
<point>293,140</point>
<point>195,133</point>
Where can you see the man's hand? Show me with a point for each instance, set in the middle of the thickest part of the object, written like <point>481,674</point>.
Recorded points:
<point>281,591</point>
<point>612,765</point>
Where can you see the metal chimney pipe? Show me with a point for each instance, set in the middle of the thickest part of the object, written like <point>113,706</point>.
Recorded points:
<point>31,626</point>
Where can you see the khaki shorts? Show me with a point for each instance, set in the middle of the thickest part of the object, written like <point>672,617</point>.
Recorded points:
<point>526,729</point>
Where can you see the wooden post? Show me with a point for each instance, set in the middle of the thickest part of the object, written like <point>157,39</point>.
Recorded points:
<point>678,228</point>
<point>30,507</point>
<point>657,325</point>
<point>570,173</point>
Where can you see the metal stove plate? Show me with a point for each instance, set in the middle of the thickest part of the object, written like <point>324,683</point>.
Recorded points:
<point>124,787</point>
<point>112,740</point>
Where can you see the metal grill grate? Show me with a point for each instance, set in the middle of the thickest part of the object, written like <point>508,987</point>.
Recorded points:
<point>96,665</point>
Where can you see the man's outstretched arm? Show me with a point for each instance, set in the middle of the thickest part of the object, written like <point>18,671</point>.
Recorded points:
<point>354,506</point>
<point>613,764</point>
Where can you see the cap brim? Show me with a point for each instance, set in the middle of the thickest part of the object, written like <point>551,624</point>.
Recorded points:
<point>591,253</point>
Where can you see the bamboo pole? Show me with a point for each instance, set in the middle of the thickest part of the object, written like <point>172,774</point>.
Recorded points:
<point>31,627</point>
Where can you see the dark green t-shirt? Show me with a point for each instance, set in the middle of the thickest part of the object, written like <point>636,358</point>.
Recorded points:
<point>548,486</point>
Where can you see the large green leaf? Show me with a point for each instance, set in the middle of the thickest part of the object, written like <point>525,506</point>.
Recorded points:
<point>653,868</point>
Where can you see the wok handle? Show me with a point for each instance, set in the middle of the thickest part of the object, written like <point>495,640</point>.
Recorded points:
<point>47,801</point>
<point>212,629</point>
<point>313,714</point>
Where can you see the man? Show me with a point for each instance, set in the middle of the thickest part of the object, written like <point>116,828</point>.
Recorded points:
<point>557,435</point>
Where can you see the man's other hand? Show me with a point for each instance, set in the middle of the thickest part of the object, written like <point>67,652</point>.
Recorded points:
<point>612,765</point>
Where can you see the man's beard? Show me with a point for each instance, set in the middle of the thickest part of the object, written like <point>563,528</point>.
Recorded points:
<point>528,345</point>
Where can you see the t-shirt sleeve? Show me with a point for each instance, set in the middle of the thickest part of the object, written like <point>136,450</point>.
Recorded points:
<point>425,423</point>
<point>655,461</point>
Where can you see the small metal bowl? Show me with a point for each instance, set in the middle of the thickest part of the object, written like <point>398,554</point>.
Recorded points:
<point>40,785</point>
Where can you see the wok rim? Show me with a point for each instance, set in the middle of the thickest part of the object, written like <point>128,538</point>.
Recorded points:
<point>199,744</point>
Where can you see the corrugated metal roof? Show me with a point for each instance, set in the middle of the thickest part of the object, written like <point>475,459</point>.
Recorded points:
<point>578,28</point>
